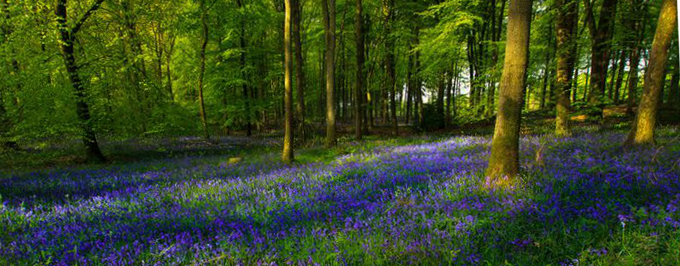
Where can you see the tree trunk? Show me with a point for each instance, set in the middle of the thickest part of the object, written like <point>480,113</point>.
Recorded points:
<point>619,77</point>
<point>504,161</point>
<point>359,86</point>
<point>168,76</point>
<point>601,36</point>
<point>201,73</point>
<point>674,96</point>
<point>299,69</point>
<point>244,74</point>
<point>5,122</point>
<point>546,70</point>
<point>288,156</point>
<point>441,90</point>
<point>68,39</point>
<point>612,80</point>
<point>567,14</point>
<point>328,11</point>
<point>645,121</point>
<point>388,12</point>
<point>419,81</point>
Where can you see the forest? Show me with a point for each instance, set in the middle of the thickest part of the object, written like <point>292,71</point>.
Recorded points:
<point>339,132</point>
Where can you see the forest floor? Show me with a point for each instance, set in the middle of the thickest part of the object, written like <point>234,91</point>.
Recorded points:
<point>420,200</point>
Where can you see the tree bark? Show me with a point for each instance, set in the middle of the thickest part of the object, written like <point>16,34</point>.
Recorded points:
<point>620,75</point>
<point>328,13</point>
<point>288,156</point>
<point>201,73</point>
<point>67,36</point>
<point>504,161</point>
<point>601,37</point>
<point>645,121</point>
<point>674,94</point>
<point>359,86</point>
<point>244,74</point>
<point>299,69</point>
<point>567,14</point>
<point>388,12</point>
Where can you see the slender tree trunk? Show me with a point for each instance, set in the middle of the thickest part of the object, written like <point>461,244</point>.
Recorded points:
<point>504,161</point>
<point>5,122</point>
<point>328,7</point>
<point>409,84</point>
<point>601,37</point>
<point>441,90</point>
<point>242,62</point>
<point>674,95</point>
<point>419,81</point>
<point>645,121</point>
<point>638,7</point>
<point>612,79</point>
<point>388,12</point>
<point>567,14</point>
<point>201,73</point>
<point>359,86</point>
<point>299,69</point>
<point>288,156</point>
<point>68,39</point>
<point>619,77</point>
<point>546,70</point>
<point>168,76</point>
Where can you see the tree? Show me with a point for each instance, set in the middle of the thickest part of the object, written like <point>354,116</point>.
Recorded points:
<point>68,37</point>
<point>359,86</point>
<point>566,50</point>
<point>288,156</point>
<point>642,131</point>
<point>601,36</point>
<point>636,24</point>
<point>5,121</point>
<point>242,62</point>
<point>504,161</point>
<point>299,69</point>
<point>388,13</point>
<point>328,13</point>
<point>201,73</point>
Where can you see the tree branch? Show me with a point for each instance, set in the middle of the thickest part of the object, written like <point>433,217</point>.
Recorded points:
<point>85,16</point>
<point>590,20</point>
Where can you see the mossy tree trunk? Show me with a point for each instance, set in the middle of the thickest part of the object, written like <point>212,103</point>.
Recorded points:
<point>645,120</point>
<point>504,161</point>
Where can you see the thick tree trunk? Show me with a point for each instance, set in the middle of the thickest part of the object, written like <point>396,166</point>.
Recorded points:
<point>567,14</point>
<point>328,11</point>
<point>201,73</point>
<point>645,120</point>
<point>359,86</point>
<point>288,156</point>
<point>504,161</point>
<point>68,39</point>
